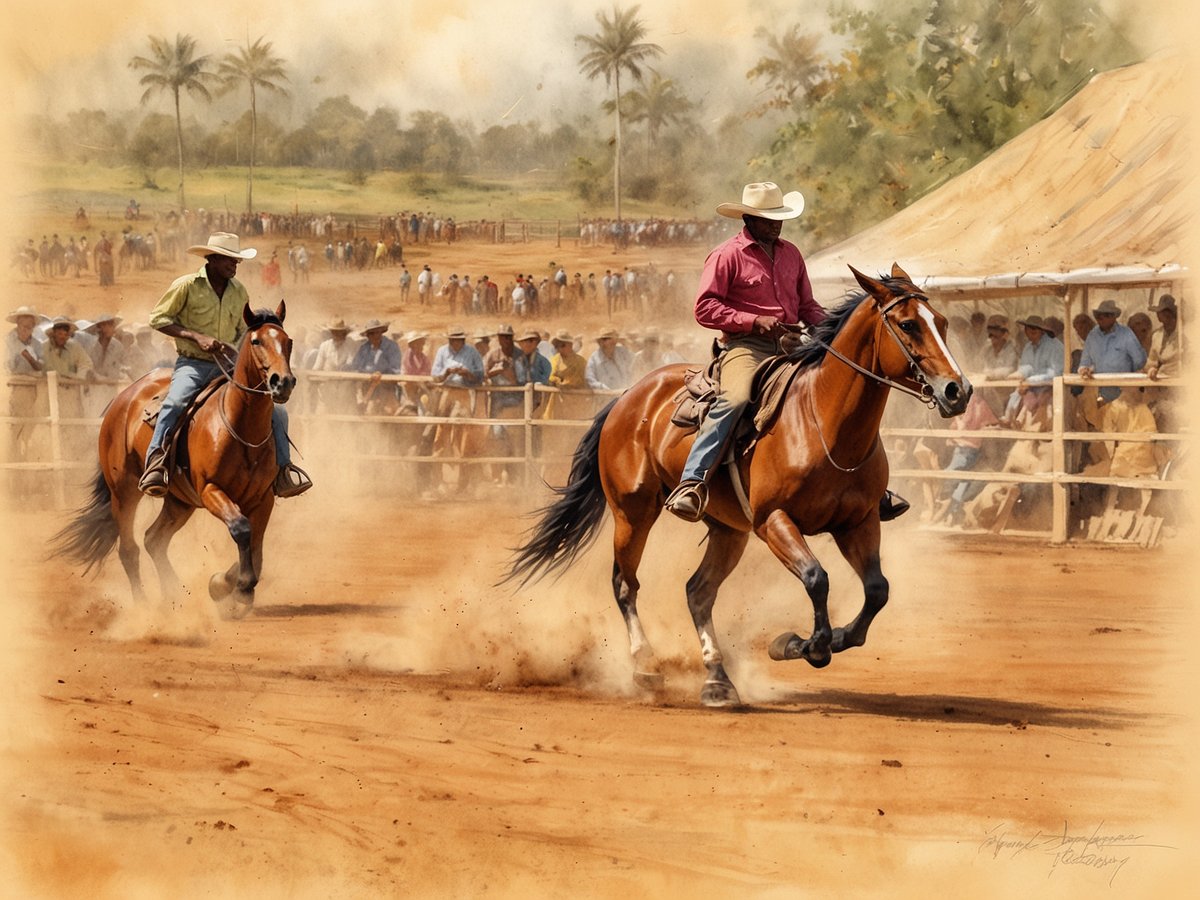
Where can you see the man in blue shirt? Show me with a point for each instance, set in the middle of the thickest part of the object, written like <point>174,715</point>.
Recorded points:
<point>1110,347</point>
<point>1042,358</point>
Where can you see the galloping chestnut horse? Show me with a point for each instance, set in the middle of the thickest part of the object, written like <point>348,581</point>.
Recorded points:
<point>820,468</point>
<point>231,458</point>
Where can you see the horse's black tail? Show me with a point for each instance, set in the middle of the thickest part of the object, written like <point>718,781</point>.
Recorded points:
<point>569,524</point>
<point>92,534</point>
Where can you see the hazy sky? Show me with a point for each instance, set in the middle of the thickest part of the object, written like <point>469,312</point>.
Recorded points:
<point>473,59</point>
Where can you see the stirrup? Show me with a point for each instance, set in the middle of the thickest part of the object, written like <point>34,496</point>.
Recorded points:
<point>688,500</point>
<point>292,481</point>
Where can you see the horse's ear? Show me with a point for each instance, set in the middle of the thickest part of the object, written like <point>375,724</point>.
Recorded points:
<point>281,310</point>
<point>875,288</point>
<point>248,316</point>
<point>898,272</point>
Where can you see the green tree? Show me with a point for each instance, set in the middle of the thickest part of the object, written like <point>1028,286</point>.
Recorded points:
<point>255,66</point>
<point>172,68</point>
<point>792,68</point>
<point>617,47</point>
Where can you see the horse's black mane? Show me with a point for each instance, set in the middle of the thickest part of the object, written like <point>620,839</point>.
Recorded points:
<point>811,353</point>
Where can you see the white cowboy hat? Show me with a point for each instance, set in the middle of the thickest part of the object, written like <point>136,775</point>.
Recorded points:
<point>104,317</point>
<point>765,200</point>
<point>223,243</point>
<point>21,311</point>
<point>413,336</point>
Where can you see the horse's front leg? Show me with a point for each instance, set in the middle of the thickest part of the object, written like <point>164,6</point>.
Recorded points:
<point>241,578</point>
<point>860,546</point>
<point>787,543</point>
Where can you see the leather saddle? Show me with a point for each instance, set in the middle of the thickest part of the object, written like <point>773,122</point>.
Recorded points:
<point>701,386</point>
<point>175,443</point>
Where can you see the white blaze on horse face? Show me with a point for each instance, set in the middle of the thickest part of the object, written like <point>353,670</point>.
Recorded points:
<point>927,314</point>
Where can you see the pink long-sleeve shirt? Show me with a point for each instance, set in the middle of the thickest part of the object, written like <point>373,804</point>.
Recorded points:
<point>741,282</point>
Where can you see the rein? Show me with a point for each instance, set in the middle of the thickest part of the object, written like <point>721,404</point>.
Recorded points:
<point>926,392</point>
<point>232,380</point>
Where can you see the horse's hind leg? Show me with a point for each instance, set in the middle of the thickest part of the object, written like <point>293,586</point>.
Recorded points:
<point>861,549</point>
<point>125,499</point>
<point>724,550</point>
<point>171,518</point>
<point>630,531</point>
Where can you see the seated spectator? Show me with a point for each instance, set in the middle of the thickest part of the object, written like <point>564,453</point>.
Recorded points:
<point>610,367</point>
<point>1143,329</point>
<point>1110,348</point>
<point>965,456</point>
<point>379,355</point>
<point>1024,457</point>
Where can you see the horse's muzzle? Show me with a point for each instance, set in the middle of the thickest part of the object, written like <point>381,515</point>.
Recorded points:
<point>951,395</point>
<point>281,387</point>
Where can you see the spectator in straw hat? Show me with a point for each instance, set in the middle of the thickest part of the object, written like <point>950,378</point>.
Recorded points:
<point>610,367</point>
<point>378,355</point>
<point>1042,357</point>
<point>531,365</point>
<point>202,311</point>
<point>22,349</point>
<point>64,355</point>
<point>416,362</point>
<point>108,354</point>
<point>1163,361</point>
<point>336,352</point>
<point>1110,347</point>
<point>500,368</point>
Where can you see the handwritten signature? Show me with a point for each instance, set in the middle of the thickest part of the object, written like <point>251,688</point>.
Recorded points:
<point>1095,849</point>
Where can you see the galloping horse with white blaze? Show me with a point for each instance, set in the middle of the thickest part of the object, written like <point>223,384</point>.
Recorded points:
<point>821,468</point>
<point>231,468</point>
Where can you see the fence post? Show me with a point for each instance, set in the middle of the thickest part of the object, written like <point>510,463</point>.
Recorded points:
<point>1059,491</point>
<point>530,475</point>
<point>56,446</point>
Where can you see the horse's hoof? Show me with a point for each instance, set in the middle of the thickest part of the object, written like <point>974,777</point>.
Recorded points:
<point>787,646</point>
<point>817,660</point>
<point>649,681</point>
<point>231,608</point>
<point>719,695</point>
<point>219,587</point>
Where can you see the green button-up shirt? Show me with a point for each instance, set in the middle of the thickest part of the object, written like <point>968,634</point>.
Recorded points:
<point>190,301</point>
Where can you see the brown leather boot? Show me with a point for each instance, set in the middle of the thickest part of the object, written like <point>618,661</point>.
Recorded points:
<point>689,500</point>
<point>292,481</point>
<point>153,482</point>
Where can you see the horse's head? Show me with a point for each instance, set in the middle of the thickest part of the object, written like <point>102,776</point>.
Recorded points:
<point>265,358</point>
<point>918,354</point>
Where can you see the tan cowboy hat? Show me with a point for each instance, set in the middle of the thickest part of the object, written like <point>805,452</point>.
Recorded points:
<point>373,325</point>
<point>505,329</point>
<point>413,336</point>
<point>24,311</point>
<point>529,335</point>
<point>608,333</point>
<point>223,243</point>
<point>338,324</point>
<point>1107,306</point>
<point>59,321</point>
<point>457,331</point>
<point>106,317</point>
<point>481,336</point>
<point>562,336</point>
<point>998,322</point>
<point>1036,322</point>
<point>765,200</point>
<point>1166,301</point>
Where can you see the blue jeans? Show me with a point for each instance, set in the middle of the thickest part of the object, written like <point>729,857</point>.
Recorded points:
<point>964,458</point>
<point>187,381</point>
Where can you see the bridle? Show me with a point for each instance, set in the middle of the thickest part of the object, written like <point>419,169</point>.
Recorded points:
<point>925,394</point>
<point>231,379</point>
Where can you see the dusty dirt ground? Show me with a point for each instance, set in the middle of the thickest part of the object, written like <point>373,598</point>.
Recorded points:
<point>389,723</point>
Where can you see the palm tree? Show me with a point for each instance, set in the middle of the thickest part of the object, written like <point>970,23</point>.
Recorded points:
<point>795,67</point>
<point>618,45</point>
<point>253,65</point>
<point>658,104</point>
<point>175,67</point>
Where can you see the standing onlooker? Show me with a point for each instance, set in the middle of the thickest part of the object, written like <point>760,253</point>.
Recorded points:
<point>610,367</point>
<point>103,253</point>
<point>379,355</point>
<point>22,356</point>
